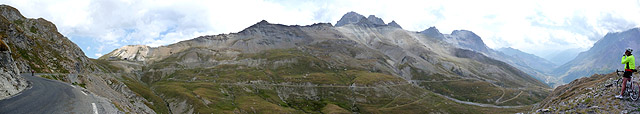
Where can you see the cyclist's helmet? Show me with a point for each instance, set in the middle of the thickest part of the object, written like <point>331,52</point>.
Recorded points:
<point>629,49</point>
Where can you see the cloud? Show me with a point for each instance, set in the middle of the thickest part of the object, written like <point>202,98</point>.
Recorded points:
<point>535,26</point>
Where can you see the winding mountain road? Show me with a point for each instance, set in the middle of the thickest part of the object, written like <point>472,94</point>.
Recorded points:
<point>51,97</point>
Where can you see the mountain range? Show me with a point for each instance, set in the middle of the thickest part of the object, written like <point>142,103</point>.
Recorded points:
<point>530,64</point>
<point>360,65</point>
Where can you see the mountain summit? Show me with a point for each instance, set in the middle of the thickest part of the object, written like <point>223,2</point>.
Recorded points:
<point>468,39</point>
<point>375,20</point>
<point>357,19</point>
<point>394,24</point>
<point>349,18</point>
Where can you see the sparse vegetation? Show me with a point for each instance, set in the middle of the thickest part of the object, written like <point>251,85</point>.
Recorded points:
<point>159,105</point>
<point>33,29</point>
<point>227,88</point>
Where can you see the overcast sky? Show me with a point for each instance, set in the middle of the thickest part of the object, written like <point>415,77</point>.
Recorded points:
<point>534,26</point>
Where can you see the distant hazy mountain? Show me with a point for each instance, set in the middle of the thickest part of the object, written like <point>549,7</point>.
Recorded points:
<point>469,40</point>
<point>531,60</point>
<point>564,56</point>
<point>433,32</point>
<point>603,57</point>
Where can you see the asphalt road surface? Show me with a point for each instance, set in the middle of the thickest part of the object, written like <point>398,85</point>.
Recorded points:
<point>50,97</point>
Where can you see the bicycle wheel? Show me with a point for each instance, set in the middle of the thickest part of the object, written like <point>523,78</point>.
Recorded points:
<point>635,91</point>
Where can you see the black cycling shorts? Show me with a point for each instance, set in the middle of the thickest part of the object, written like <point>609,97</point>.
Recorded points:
<point>627,74</point>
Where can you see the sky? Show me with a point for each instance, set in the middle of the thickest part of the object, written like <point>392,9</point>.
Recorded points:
<point>540,27</point>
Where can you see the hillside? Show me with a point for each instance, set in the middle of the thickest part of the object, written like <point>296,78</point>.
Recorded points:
<point>603,57</point>
<point>363,66</point>
<point>592,94</point>
<point>538,68</point>
<point>36,44</point>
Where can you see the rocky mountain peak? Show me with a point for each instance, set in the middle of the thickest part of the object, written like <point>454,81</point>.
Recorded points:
<point>349,18</point>
<point>394,24</point>
<point>468,35</point>
<point>467,39</point>
<point>357,19</point>
<point>263,22</point>
<point>10,13</point>
<point>375,20</point>
<point>433,32</point>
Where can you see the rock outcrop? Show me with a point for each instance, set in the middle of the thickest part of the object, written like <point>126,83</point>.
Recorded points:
<point>11,83</point>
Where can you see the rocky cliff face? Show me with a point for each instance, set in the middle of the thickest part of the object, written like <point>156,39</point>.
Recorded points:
<point>603,57</point>
<point>11,83</point>
<point>354,67</point>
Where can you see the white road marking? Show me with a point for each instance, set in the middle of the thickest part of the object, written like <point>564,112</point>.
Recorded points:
<point>95,109</point>
<point>84,93</point>
<point>72,86</point>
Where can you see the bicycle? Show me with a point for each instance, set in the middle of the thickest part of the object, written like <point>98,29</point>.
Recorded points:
<point>633,89</point>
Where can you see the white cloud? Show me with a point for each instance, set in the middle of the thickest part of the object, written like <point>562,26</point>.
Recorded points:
<point>535,26</point>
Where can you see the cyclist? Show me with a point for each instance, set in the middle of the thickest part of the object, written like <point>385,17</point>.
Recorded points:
<point>630,64</point>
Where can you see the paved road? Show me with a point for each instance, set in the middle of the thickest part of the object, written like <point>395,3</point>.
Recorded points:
<point>50,97</point>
